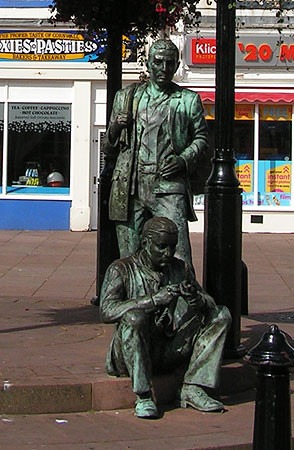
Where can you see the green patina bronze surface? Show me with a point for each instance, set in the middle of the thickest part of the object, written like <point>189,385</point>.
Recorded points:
<point>164,320</point>
<point>156,134</point>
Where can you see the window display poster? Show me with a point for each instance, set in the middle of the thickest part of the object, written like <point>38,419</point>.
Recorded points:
<point>244,171</point>
<point>274,183</point>
<point>39,117</point>
<point>38,146</point>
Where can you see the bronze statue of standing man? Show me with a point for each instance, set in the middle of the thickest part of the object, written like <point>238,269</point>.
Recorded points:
<point>157,132</point>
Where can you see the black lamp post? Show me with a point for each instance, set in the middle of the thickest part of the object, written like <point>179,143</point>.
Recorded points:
<point>222,264</point>
<point>107,247</point>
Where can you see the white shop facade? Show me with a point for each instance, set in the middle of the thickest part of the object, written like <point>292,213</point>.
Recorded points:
<point>263,130</point>
<point>52,116</point>
<point>53,110</point>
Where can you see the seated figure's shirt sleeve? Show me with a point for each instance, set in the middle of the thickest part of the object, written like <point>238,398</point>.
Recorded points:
<point>116,294</point>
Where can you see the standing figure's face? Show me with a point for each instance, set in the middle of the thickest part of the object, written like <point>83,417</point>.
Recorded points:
<point>161,248</point>
<point>162,65</point>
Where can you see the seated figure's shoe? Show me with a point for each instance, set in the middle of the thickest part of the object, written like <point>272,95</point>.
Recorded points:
<point>145,407</point>
<point>193,395</point>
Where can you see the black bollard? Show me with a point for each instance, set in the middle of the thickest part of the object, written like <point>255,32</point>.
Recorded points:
<point>273,358</point>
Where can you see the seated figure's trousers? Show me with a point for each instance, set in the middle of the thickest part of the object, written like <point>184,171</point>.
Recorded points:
<point>140,350</point>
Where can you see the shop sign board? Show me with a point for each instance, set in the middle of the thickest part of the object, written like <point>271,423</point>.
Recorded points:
<point>59,46</point>
<point>268,4</point>
<point>38,112</point>
<point>203,51</point>
<point>251,51</point>
<point>242,111</point>
<point>276,112</point>
<point>37,117</point>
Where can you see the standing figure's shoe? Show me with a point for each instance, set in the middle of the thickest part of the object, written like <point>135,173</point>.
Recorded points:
<point>145,407</point>
<point>195,396</point>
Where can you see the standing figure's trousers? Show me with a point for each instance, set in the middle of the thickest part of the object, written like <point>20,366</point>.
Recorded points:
<point>140,350</point>
<point>171,206</point>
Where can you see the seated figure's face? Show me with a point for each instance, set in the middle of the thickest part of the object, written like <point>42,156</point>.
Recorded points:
<point>162,65</point>
<point>161,248</point>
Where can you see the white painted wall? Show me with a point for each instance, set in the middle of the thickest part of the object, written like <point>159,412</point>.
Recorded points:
<point>80,155</point>
<point>273,222</point>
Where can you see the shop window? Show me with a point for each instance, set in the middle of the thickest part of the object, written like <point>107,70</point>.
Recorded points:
<point>274,166</point>
<point>244,139</point>
<point>243,145</point>
<point>244,150</point>
<point>38,148</point>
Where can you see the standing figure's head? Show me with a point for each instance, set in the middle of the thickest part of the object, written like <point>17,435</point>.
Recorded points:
<point>163,62</point>
<point>159,240</point>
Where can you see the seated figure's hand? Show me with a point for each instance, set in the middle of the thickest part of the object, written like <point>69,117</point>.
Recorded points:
<point>196,297</point>
<point>175,164</point>
<point>189,289</point>
<point>210,303</point>
<point>190,292</point>
<point>166,295</point>
<point>201,302</point>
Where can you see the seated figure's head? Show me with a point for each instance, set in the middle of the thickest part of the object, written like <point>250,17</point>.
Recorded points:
<point>159,240</point>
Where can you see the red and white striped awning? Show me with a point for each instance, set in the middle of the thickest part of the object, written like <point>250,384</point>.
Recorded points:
<point>252,97</point>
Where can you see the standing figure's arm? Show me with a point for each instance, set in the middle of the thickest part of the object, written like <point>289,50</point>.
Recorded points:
<point>198,134</point>
<point>120,119</point>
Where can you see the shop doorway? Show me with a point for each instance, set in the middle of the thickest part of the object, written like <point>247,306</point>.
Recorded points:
<point>97,163</point>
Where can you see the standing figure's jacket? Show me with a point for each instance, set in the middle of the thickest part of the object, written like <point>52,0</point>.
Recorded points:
<point>187,133</point>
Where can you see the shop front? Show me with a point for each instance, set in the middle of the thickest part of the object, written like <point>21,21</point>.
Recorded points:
<point>35,156</point>
<point>53,109</point>
<point>35,165</point>
<point>263,131</point>
<point>52,112</point>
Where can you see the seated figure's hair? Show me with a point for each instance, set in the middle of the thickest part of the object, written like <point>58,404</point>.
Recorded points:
<point>164,44</point>
<point>158,225</point>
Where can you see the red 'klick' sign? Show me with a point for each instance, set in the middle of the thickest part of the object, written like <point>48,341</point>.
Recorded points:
<point>203,51</point>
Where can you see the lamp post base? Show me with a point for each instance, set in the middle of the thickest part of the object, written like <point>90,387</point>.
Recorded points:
<point>222,256</point>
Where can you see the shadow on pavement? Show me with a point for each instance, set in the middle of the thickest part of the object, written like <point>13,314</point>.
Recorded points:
<point>81,315</point>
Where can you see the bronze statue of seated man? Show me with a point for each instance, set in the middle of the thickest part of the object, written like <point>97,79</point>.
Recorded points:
<point>164,320</point>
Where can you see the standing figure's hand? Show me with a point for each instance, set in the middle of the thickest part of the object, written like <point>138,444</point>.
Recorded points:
<point>175,164</point>
<point>123,120</point>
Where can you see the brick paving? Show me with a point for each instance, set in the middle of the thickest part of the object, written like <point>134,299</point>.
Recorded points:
<point>54,392</point>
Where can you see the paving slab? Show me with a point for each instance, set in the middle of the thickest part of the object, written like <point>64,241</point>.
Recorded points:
<point>53,348</point>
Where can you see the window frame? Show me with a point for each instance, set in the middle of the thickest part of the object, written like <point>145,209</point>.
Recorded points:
<point>31,196</point>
